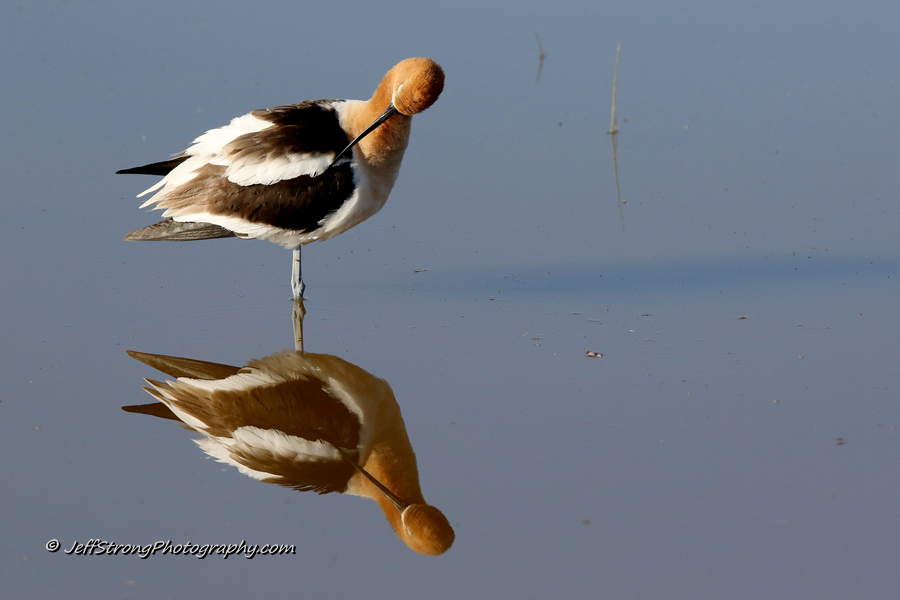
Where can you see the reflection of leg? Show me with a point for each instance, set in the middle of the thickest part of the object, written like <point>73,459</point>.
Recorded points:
<point>296,278</point>
<point>299,313</point>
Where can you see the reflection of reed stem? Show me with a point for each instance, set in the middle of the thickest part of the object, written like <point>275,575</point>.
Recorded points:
<point>618,193</point>
<point>541,56</point>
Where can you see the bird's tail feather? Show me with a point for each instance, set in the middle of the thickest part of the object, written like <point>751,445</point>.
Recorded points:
<point>175,231</point>
<point>158,168</point>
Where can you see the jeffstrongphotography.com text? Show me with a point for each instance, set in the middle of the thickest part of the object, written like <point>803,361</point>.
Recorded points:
<point>98,547</point>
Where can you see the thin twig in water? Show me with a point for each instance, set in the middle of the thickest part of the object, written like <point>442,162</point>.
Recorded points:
<point>541,56</point>
<point>613,132</point>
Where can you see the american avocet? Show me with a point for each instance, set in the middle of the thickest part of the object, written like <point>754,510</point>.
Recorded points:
<point>292,174</point>
<point>305,421</point>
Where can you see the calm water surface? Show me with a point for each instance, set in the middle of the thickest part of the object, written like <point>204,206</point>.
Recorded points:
<point>736,439</point>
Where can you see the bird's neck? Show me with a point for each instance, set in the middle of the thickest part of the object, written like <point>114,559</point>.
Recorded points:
<point>384,147</point>
<point>395,468</point>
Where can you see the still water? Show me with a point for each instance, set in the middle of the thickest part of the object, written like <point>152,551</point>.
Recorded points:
<point>733,431</point>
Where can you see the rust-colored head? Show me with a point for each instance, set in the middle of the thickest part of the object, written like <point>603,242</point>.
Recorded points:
<point>409,88</point>
<point>415,84</point>
<point>426,530</point>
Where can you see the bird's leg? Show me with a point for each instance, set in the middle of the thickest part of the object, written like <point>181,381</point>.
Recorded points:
<point>296,277</point>
<point>298,314</point>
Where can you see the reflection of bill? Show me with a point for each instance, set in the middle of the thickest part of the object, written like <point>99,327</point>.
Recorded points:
<point>305,421</point>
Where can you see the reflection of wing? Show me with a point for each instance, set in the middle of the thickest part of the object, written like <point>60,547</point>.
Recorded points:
<point>175,366</point>
<point>299,408</point>
<point>280,419</point>
<point>273,457</point>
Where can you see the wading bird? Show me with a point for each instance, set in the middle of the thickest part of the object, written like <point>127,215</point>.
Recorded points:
<point>292,174</point>
<point>308,422</point>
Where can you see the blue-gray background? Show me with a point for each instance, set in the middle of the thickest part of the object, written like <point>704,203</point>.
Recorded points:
<point>738,438</point>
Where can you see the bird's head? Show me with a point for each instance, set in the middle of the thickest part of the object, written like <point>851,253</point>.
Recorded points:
<point>426,530</point>
<point>416,84</point>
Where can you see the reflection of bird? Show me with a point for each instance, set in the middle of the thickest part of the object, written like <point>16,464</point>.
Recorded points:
<point>305,421</point>
<point>287,174</point>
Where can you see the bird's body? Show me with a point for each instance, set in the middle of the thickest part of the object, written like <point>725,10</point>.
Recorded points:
<point>292,174</point>
<point>305,421</point>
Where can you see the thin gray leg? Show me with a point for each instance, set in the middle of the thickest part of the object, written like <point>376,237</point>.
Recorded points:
<point>296,278</point>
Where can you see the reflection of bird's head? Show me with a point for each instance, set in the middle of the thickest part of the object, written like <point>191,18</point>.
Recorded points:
<point>426,530</point>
